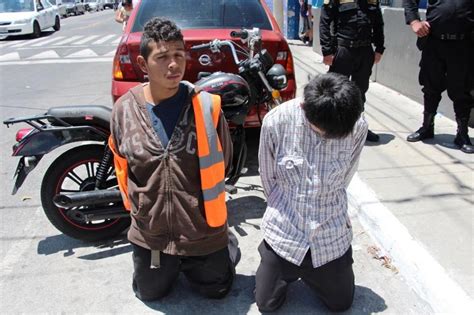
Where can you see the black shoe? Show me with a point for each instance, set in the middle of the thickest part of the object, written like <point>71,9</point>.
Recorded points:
<point>421,134</point>
<point>372,137</point>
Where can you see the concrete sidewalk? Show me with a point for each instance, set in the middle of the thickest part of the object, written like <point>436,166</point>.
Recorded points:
<point>414,199</point>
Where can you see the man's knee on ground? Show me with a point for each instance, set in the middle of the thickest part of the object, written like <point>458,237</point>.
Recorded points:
<point>150,294</point>
<point>269,305</point>
<point>340,304</point>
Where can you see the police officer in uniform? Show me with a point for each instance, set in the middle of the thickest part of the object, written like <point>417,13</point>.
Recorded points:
<point>446,44</point>
<point>348,29</point>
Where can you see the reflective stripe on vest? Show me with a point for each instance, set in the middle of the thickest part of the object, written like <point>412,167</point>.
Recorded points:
<point>207,109</point>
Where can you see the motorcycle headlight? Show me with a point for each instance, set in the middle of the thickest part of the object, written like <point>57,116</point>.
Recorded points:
<point>22,21</point>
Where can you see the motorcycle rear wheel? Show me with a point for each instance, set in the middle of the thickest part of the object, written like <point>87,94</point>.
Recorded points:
<point>74,171</point>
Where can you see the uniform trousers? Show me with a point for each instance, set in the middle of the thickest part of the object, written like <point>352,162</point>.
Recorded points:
<point>210,275</point>
<point>356,63</point>
<point>333,282</point>
<point>444,66</point>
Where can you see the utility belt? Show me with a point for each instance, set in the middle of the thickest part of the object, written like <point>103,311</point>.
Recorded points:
<point>450,36</point>
<point>354,43</point>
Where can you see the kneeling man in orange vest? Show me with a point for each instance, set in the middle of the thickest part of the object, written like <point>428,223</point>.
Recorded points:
<point>172,149</point>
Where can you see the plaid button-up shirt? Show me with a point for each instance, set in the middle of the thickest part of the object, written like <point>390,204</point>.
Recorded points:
<point>305,177</point>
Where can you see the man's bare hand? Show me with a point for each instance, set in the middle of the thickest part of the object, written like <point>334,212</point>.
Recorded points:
<point>377,57</point>
<point>420,28</point>
<point>327,60</point>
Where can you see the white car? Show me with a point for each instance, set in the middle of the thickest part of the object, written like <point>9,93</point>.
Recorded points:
<point>23,17</point>
<point>95,5</point>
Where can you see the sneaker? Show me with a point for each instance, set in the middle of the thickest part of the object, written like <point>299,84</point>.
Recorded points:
<point>372,137</point>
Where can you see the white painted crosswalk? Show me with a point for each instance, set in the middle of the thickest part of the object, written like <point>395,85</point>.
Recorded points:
<point>58,40</point>
<point>77,48</point>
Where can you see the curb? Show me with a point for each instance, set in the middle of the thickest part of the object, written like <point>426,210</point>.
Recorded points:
<point>421,271</point>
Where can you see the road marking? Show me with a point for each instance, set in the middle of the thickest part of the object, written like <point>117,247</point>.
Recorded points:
<point>57,61</point>
<point>10,57</point>
<point>115,42</point>
<point>11,43</point>
<point>83,53</point>
<point>49,54</point>
<point>18,249</point>
<point>111,53</point>
<point>103,40</point>
<point>85,40</point>
<point>26,42</point>
<point>49,41</point>
<point>421,271</point>
<point>68,40</point>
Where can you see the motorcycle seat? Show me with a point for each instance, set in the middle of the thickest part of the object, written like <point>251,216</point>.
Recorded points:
<point>80,115</point>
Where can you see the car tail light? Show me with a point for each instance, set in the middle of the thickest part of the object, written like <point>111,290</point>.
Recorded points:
<point>123,68</point>
<point>284,58</point>
<point>22,133</point>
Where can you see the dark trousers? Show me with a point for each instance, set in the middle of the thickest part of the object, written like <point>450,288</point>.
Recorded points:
<point>332,282</point>
<point>444,66</point>
<point>355,63</point>
<point>210,275</point>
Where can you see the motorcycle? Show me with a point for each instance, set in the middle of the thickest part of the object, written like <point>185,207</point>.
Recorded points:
<point>79,191</point>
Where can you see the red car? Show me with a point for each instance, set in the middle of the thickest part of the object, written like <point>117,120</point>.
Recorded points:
<point>202,21</point>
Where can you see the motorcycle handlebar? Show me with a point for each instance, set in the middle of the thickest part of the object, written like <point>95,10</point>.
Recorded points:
<point>202,46</point>
<point>240,34</point>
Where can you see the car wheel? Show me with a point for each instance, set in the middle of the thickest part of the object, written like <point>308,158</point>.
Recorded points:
<point>36,30</point>
<point>57,24</point>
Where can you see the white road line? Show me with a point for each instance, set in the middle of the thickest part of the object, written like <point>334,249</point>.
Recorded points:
<point>85,40</point>
<point>68,40</point>
<point>49,54</point>
<point>103,40</point>
<point>115,42</point>
<point>83,53</point>
<point>10,57</point>
<point>11,43</point>
<point>31,41</point>
<point>49,41</point>
<point>111,53</point>
<point>422,272</point>
<point>18,249</point>
<point>57,61</point>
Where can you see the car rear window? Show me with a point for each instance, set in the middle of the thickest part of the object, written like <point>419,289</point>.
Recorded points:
<point>204,13</point>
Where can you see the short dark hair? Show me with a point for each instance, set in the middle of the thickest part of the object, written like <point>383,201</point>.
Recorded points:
<point>333,104</point>
<point>158,29</point>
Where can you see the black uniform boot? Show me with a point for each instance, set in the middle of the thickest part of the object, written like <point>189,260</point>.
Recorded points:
<point>462,137</point>
<point>427,129</point>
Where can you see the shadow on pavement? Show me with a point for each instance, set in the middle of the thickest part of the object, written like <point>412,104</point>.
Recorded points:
<point>62,243</point>
<point>385,138</point>
<point>300,300</point>
<point>183,300</point>
<point>243,209</point>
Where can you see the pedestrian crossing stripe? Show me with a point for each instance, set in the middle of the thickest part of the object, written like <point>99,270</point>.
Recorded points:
<point>49,54</point>
<point>87,39</point>
<point>48,41</point>
<point>83,53</point>
<point>58,40</point>
<point>10,57</point>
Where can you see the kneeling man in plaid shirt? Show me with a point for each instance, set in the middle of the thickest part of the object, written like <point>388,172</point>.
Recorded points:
<point>309,151</point>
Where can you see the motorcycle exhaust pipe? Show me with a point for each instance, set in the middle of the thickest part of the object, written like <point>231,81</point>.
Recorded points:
<point>98,214</point>
<point>87,198</point>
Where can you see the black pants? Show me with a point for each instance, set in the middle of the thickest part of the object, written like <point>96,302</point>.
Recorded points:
<point>332,282</point>
<point>211,275</point>
<point>444,66</point>
<point>355,63</point>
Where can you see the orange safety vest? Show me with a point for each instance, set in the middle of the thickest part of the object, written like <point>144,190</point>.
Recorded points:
<point>207,109</point>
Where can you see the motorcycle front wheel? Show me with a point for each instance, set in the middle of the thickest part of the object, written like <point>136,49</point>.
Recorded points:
<point>75,171</point>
